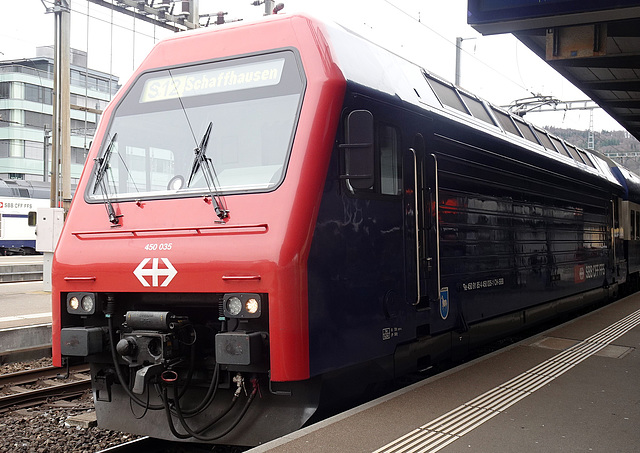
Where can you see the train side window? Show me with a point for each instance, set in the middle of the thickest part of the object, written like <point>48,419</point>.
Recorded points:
<point>637,224</point>
<point>389,167</point>
<point>506,122</point>
<point>477,108</point>
<point>526,130</point>
<point>544,138</point>
<point>32,218</point>
<point>585,158</point>
<point>447,94</point>
<point>358,151</point>
<point>573,152</point>
<point>371,156</point>
<point>561,148</point>
<point>632,225</point>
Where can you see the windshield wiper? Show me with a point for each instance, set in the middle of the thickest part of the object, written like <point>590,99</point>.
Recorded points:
<point>202,161</point>
<point>102,164</point>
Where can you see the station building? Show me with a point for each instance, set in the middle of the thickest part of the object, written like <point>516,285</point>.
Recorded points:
<point>26,113</point>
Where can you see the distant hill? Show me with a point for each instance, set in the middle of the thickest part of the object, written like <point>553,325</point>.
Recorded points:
<point>605,142</point>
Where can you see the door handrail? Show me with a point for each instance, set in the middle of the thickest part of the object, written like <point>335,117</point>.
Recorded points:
<point>437,218</point>
<point>416,217</point>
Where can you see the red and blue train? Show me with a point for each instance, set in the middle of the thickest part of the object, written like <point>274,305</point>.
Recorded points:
<point>276,212</point>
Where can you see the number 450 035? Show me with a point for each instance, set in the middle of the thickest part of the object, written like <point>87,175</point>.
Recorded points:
<point>161,246</point>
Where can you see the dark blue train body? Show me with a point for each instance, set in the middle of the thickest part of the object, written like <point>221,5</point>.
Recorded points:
<point>475,224</point>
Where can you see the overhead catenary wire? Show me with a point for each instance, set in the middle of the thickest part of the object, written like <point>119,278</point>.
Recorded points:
<point>440,35</point>
<point>114,24</point>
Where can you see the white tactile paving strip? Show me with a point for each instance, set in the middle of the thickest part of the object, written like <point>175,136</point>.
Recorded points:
<point>439,433</point>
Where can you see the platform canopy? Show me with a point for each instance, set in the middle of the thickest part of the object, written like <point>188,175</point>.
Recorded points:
<point>595,44</point>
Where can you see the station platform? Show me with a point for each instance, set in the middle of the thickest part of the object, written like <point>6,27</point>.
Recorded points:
<point>573,388</point>
<point>25,320</point>
<point>24,304</point>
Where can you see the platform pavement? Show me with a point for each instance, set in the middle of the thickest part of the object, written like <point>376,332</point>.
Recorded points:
<point>25,320</point>
<point>24,304</point>
<point>574,388</point>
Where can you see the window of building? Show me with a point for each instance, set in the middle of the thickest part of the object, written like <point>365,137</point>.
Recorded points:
<point>103,85</point>
<point>5,118</point>
<point>78,78</point>
<point>33,150</point>
<point>80,127</point>
<point>36,119</point>
<point>35,93</point>
<point>78,155</point>
<point>5,90</point>
<point>92,83</point>
<point>4,148</point>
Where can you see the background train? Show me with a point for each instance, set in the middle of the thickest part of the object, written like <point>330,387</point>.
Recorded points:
<point>17,199</point>
<point>264,224</point>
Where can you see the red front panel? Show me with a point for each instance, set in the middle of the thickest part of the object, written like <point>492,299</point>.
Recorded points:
<point>177,245</point>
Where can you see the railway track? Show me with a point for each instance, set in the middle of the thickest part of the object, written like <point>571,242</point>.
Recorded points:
<point>32,387</point>
<point>150,445</point>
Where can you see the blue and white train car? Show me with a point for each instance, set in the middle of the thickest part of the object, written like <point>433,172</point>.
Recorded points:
<point>17,199</point>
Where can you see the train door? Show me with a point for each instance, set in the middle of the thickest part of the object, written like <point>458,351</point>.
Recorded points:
<point>421,226</point>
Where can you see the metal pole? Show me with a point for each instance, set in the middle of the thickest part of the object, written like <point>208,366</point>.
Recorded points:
<point>458,51</point>
<point>194,12</point>
<point>45,154</point>
<point>65,104</point>
<point>55,132</point>
<point>268,7</point>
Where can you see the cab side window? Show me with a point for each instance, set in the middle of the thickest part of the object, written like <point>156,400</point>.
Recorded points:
<point>387,145</point>
<point>371,156</point>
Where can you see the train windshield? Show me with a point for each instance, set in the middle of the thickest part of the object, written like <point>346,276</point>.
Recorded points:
<point>246,107</point>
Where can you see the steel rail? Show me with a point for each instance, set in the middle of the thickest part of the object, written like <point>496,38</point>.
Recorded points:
<point>22,396</point>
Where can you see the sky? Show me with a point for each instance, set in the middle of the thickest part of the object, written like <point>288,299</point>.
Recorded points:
<point>497,68</point>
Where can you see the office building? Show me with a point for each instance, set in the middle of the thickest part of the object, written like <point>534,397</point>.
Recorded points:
<point>26,113</point>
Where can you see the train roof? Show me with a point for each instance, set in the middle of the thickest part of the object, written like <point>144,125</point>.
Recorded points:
<point>24,189</point>
<point>367,64</point>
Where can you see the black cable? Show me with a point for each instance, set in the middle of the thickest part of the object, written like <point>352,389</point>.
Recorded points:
<point>196,434</point>
<point>206,401</point>
<point>167,411</point>
<point>121,380</point>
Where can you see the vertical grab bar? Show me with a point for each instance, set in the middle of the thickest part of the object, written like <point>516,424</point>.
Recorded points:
<point>437,218</point>
<point>416,217</point>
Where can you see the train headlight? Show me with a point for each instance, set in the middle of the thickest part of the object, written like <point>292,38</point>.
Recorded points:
<point>233,306</point>
<point>81,303</point>
<point>74,303</point>
<point>88,303</point>
<point>252,306</point>
<point>242,305</point>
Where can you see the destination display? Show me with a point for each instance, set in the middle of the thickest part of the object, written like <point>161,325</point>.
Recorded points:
<point>210,81</point>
